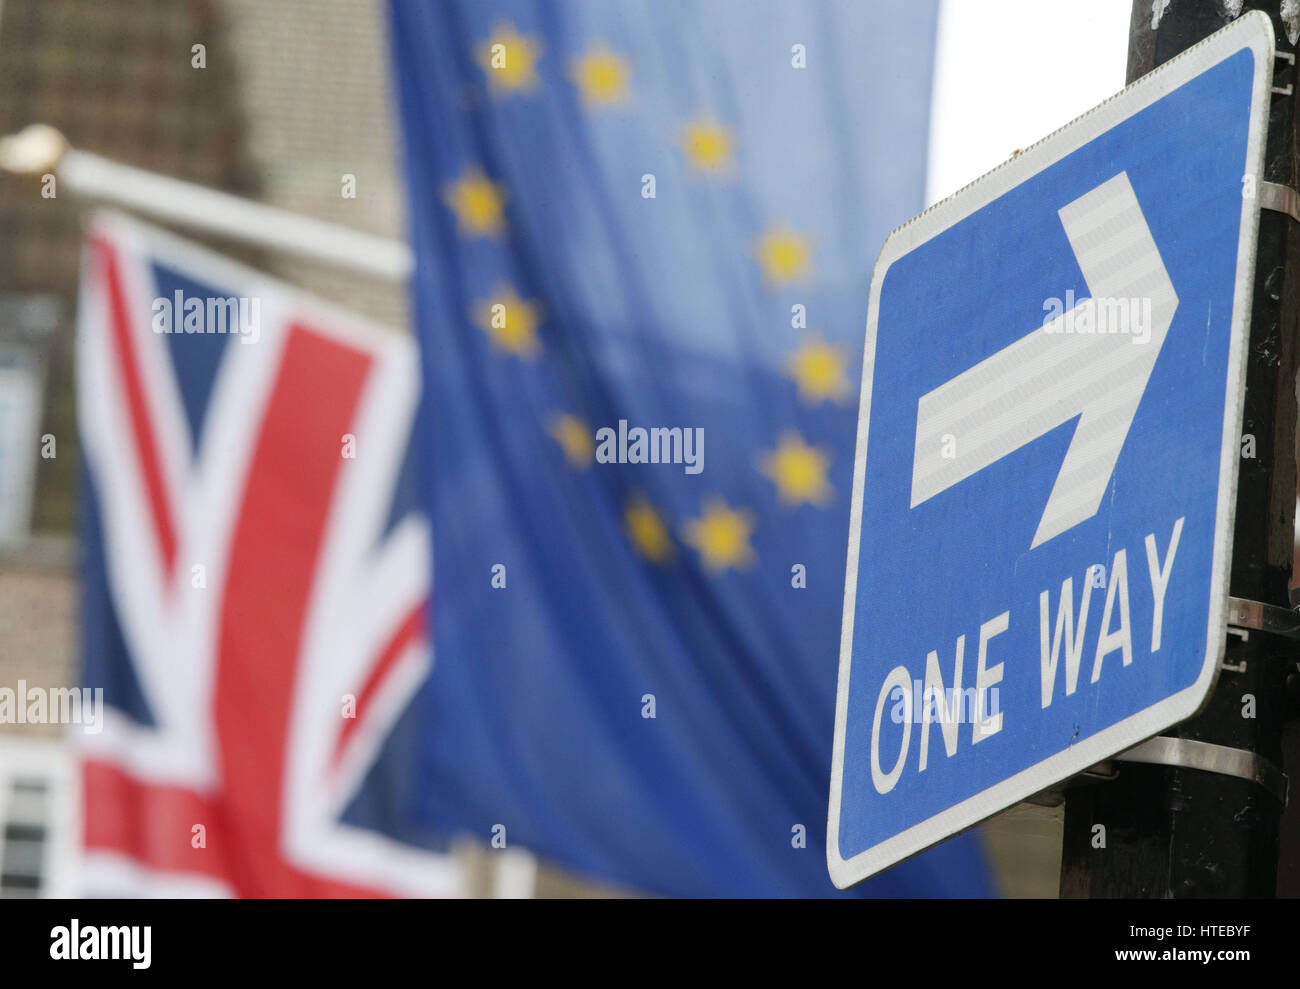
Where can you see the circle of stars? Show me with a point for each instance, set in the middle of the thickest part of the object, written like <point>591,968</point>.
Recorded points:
<point>602,77</point>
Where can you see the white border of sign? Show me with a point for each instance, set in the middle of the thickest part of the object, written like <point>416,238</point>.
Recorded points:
<point>1253,30</point>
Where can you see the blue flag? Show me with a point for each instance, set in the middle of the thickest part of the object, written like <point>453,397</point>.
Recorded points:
<point>644,234</point>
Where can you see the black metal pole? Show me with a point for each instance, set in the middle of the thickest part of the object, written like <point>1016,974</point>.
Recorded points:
<point>1181,832</point>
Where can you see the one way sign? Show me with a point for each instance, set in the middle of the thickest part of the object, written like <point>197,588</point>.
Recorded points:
<point>1047,458</point>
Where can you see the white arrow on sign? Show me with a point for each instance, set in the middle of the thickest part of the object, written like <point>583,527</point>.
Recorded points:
<point>1092,361</point>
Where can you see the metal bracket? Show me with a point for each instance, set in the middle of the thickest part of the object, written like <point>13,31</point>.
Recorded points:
<point>1210,758</point>
<point>1289,57</point>
<point>1234,667</point>
<point>1263,617</point>
<point>1280,199</point>
<point>1101,771</point>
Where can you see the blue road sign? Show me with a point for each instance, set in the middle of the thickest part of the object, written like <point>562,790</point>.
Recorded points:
<point>1047,454</point>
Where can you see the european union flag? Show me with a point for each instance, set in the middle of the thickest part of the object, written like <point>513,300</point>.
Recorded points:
<point>645,234</point>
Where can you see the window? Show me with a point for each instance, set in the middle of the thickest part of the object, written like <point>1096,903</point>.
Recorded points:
<point>37,818</point>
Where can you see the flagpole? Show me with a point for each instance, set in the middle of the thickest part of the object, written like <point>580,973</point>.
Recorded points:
<point>40,149</point>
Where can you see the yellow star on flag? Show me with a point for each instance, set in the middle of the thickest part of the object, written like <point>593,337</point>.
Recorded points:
<point>601,76</point>
<point>798,471</point>
<point>510,59</point>
<point>818,370</point>
<point>708,146</point>
<point>784,256</point>
<point>478,204</point>
<point>574,437</point>
<point>646,529</point>
<point>721,534</point>
<point>510,322</point>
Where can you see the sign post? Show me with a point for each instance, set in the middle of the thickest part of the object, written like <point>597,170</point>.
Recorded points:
<point>1200,817</point>
<point>1047,464</point>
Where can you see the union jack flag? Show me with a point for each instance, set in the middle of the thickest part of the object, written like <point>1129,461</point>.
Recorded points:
<point>256,583</point>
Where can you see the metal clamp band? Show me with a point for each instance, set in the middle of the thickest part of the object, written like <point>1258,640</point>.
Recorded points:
<point>1210,758</point>
<point>1280,199</point>
<point>1263,617</point>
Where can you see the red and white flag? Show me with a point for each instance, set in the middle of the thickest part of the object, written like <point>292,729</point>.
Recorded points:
<point>257,579</point>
